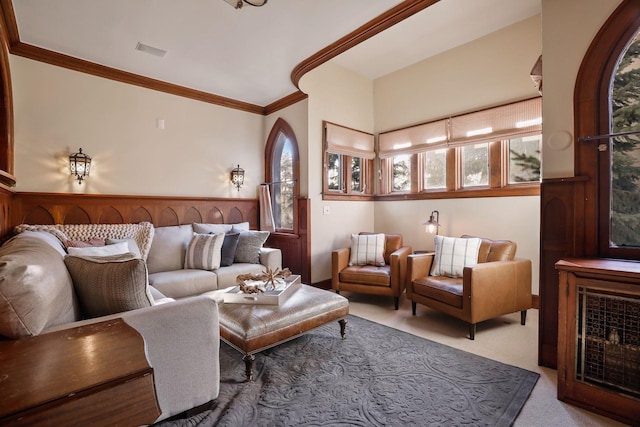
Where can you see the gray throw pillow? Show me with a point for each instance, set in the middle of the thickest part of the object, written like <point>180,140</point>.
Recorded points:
<point>110,284</point>
<point>229,247</point>
<point>249,245</point>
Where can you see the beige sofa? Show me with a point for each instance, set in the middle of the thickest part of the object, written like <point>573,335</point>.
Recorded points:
<point>180,330</point>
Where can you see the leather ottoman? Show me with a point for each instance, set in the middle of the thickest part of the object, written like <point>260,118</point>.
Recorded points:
<point>251,328</point>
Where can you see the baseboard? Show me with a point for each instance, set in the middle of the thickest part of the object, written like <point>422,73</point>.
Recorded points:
<point>325,284</point>
<point>535,302</point>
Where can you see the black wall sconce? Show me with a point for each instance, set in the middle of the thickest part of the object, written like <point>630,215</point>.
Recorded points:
<point>237,177</point>
<point>79,165</point>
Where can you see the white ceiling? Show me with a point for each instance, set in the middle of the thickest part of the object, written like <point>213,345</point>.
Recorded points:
<point>248,54</point>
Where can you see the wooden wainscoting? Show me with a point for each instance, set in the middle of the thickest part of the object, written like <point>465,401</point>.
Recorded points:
<point>5,211</point>
<point>53,208</point>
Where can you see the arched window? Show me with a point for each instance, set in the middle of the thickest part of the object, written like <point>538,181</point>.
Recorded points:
<point>282,173</point>
<point>607,102</point>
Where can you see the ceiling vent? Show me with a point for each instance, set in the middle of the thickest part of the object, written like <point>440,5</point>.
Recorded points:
<point>151,50</point>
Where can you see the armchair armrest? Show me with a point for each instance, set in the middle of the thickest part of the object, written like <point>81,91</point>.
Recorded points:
<point>182,341</point>
<point>496,288</point>
<point>398,263</point>
<point>339,261</point>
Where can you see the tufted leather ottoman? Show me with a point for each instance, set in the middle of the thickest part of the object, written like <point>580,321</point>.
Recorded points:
<point>251,328</point>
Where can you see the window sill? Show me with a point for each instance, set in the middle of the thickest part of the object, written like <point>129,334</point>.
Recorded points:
<point>511,191</point>
<point>342,196</point>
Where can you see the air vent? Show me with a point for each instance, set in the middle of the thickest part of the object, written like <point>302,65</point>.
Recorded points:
<point>151,50</point>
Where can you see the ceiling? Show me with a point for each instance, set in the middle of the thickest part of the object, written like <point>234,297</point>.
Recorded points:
<point>249,54</point>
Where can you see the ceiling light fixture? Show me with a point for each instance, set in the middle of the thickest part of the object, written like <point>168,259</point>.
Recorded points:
<point>239,3</point>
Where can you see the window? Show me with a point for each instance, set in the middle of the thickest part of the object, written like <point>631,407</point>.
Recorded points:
<point>348,163</point>
<point>490,152</point>
<point>282,173</point>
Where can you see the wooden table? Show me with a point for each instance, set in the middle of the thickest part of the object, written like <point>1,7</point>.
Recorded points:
<point>90,375</point>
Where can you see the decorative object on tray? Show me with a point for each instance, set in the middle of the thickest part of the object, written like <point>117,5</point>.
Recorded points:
<point>269,280</point>
<point>259,289</point>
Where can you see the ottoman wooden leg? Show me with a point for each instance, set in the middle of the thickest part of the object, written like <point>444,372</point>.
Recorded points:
<point>343,327</point>
<point>248,364</point>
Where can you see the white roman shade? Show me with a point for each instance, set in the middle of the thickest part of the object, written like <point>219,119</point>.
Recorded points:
<point>493,124</point>
<point>414,139</point>
<point>514,120</point>
<point>349,142</point>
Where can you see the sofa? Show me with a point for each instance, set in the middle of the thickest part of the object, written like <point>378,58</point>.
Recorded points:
<point>45,289</point>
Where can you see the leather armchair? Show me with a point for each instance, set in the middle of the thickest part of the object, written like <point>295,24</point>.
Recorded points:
<point>386,280</point>
<point>499,284</point>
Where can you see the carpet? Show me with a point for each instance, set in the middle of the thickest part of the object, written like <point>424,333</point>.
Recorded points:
<point>378,376</point>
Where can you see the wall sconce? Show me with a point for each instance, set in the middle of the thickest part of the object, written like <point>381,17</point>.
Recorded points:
<point>79,165</point>
<point>433,223</point>
<point>237,177</point>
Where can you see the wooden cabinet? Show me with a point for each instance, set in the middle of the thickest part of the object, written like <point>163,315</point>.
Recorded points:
<point>91,375</point>
<point>599,336</point>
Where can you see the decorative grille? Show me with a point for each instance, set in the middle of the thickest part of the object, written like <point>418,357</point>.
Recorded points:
<point>608,340</point>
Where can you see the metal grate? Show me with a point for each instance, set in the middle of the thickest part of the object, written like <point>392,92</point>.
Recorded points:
<point>608,340</point>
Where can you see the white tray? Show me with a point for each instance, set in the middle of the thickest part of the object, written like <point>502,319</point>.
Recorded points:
<point>275,297</point>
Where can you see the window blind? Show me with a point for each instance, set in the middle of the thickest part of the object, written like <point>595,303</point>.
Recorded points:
<point>492,124</point>
<point>349,142</point>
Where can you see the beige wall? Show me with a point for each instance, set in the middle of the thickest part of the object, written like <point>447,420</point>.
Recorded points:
<point>569,26</point>
<point>488,71</point>
<point>58,110</point>
<point>345,98</point>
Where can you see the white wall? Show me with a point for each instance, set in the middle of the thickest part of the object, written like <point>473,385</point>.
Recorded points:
<point>569,27</point>
<point>59,110</point>
<point>345,98</point>
<point>488,71</point>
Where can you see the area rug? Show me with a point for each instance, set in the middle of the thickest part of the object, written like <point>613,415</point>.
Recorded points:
<point>378,376</point>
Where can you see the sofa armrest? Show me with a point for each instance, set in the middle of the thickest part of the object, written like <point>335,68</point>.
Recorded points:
<point>182,341</point>
<point>339,261</point>
<point>271,258</point>
<point>398,263</point>
<point>496,288</point>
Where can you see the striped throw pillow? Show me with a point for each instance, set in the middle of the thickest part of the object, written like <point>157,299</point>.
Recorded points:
<point>367,249</point>
<point>453,254</point>
<point>203,252</point>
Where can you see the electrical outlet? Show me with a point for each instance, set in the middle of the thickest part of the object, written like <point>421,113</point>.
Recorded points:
<point>326,210</point>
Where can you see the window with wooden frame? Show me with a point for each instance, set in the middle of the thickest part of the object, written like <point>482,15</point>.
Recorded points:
<point>491,152</point>
<point>347,163</point>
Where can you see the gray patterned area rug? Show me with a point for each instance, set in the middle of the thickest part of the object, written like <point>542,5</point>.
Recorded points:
<point>378,376</point>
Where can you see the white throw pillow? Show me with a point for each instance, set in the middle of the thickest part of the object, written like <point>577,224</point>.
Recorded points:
<point>96,251</point>
<point>453,254</point>
<point>367,249</point>
<point>203,252</point>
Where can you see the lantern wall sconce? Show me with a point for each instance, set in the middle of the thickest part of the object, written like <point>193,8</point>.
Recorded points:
<point>79,165</point>
<point>433,223</point>
<point>237,177</point>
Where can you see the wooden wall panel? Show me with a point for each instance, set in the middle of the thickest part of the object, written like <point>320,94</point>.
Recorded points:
<point>561,236</point>
<point>51,208</point>
<point>5,212</point>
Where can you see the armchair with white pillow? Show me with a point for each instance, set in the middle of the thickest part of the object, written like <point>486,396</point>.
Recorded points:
<point>472,279</point>
<point>373,264</point>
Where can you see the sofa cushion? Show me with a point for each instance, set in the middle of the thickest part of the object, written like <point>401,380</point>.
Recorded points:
<point>367,249</point>
<point>447,290</point>
<point>168,248</point>
<point>211,228</point>
<point>249,245</point>
<point>239,227</point>
<point>35,287</point>
<point>131,243</point>
<point>203,252</point>
<point>184,283</point>
<point>97,251</point>
<point>229,247</point>
<point>367,275</point>
<point>109,284</point>
<point>453,254</point>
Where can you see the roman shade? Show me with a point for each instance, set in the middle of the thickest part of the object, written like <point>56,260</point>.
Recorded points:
<point>349,142</point>
<point>414,139</point>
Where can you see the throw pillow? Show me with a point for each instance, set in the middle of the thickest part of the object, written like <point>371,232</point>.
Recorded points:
<point>203,252</point>
<point>96,241</point>
<point>109,284</point>
<point>239,227</point>
<point>131,243</point>
<point>249,245</point>
<point>202,228</point>
<point>229,247</point>
<point>367,249</point>
<point>96,251</point>
<point>453,254</point>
